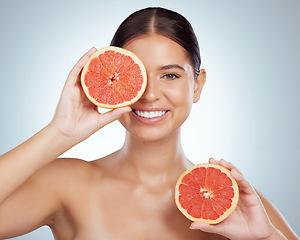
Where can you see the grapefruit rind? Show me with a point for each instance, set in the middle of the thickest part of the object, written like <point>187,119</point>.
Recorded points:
<point>226,213</point>
<point>122,51</point>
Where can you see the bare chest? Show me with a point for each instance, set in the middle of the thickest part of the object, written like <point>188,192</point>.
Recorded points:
<point>126,212</point>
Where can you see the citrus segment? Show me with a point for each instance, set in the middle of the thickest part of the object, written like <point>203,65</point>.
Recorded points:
<point>207,193</point>
<point>113,77</point>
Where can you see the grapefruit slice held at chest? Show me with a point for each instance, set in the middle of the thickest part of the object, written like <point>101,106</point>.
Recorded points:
<point>113,77</point>
<point>206,193</point>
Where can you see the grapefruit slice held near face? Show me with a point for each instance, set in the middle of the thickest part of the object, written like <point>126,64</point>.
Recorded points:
<point>206,193</point>
<point>113,77</point>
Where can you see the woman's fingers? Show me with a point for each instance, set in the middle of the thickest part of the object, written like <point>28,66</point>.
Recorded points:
<point>112,115</point>
<point>236,174</point>
<point>244,186</point>
<point>213,161</point>
<point>217,228</point>
<point>225,164</point>
<point>228,165</point>
<point>74,73</point>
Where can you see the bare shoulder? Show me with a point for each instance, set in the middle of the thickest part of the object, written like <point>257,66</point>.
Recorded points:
<point>68,172</point>
<point>40,199</point>
<point>65,177</point>
<point>64,172</point>
<point>277,218</point>
<point>72,166</point>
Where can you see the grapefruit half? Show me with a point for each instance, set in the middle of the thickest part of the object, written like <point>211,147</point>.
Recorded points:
<point>206,193</point>
<point>113,77</point>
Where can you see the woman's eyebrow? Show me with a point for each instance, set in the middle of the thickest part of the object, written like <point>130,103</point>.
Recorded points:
<point>171,66</point>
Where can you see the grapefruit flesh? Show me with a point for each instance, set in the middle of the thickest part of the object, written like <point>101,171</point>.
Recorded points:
<point>113,77</point>
<point>206,193</point>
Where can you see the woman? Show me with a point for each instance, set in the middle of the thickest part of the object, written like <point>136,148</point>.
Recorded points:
<point>128,194</point>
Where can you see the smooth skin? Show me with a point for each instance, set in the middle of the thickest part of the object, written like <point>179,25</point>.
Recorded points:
<point>130,193</point>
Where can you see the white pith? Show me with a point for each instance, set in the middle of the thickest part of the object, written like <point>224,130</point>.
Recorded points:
<point>206,193</point>
<point>150,114</point>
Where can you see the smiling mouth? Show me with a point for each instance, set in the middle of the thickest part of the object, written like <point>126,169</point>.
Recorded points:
<point>149,114</point>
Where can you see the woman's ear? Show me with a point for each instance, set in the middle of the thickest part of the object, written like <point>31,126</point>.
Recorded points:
<point>199,83</point>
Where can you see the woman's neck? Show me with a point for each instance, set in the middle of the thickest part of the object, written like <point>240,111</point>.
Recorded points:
<point>154,162</point>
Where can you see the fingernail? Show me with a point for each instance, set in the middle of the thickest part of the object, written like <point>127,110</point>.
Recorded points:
<point>192,227</point>
<point>237,174</point>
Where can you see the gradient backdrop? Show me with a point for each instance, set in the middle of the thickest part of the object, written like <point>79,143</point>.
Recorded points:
<point>249,110</point>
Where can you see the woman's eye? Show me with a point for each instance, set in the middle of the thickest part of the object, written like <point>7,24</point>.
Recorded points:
<point>170,76</point>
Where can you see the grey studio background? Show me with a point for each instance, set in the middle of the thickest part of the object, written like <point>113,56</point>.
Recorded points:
<point>249,109</point>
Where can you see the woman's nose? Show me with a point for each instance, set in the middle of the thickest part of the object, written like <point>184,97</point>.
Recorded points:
<point>152,92</point>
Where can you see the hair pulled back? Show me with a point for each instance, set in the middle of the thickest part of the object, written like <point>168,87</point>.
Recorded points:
<point>163,22</point>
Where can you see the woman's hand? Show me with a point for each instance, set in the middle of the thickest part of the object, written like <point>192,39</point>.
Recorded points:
<point>249,220</point>
<point>76,117</point>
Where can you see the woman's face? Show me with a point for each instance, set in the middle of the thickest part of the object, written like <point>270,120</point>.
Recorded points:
<point>170,92</point>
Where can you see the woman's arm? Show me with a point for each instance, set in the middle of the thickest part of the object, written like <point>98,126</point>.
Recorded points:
<point>34,203</point>
<point>45,146</point>
<point>277,219</point>
<point>21,162</point>
<point>76,118</point>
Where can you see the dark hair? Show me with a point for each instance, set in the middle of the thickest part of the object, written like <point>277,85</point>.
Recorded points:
<point>164,22</point>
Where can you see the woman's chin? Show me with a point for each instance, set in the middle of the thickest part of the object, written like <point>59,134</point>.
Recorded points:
<point>151,135</point>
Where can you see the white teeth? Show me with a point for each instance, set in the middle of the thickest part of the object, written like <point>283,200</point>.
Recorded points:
<point>151,114</point>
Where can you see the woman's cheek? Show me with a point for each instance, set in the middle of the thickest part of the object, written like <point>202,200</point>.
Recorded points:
<point>181,95</point>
